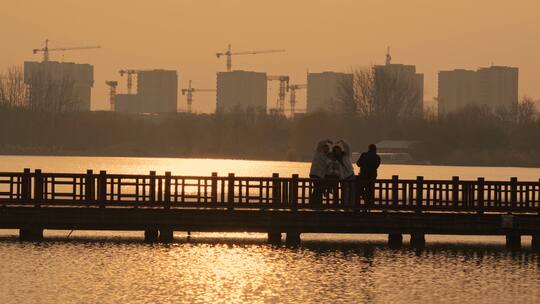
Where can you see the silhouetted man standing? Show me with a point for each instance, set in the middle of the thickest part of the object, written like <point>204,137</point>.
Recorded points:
<point>369,163</point>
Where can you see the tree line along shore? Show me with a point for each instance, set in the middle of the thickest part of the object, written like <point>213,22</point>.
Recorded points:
<point>473,136</point>
<point>49,124</point>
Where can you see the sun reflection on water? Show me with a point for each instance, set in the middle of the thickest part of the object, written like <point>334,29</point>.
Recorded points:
<point>205,167</point>
<point>244,272</point>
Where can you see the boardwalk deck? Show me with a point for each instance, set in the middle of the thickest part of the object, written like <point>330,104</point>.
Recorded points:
<point>33,201</point>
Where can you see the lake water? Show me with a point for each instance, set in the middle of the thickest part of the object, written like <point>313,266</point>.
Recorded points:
<point>116,267</point>
<point>202,167</point>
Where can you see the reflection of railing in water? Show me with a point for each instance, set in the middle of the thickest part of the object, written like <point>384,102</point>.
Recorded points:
<point>233,192</point>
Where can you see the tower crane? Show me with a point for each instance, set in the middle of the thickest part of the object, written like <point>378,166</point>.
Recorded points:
<point>189,91</point>
<point>388,57</point>
<point>112,92</point>
<point>283,89</point>
<point>129,74</point>
<point>45,50</point>
<point>293,88</point>
<point>229,54</point>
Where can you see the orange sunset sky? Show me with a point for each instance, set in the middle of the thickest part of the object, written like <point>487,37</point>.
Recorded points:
<point>318,35</point>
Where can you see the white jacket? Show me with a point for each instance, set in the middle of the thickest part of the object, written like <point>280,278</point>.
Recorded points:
<point>347,168</point>
<point>320,160</point>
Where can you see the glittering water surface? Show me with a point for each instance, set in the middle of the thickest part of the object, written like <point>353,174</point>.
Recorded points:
<point>205,167</point>
<point>116,267</point>
<point>225,270</point>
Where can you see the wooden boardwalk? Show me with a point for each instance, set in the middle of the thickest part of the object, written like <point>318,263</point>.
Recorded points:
<point>162,203</point>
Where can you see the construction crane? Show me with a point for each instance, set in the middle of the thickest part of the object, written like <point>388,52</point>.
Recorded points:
<point>129,74</point>
<point>112,92</point>
<point>388,57</point>
<point>283,89</point>
<point>229,54</point>
<point>189,91</point>
<point>293,88</point>
<point>45,50</point>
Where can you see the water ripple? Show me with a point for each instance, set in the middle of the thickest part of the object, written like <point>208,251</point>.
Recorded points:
<point>230,272</point>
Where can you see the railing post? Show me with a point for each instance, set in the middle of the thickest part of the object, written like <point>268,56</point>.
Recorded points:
<point>230,191</point>
<point>538,196</point>
<point>455,191</point>
<point>294,192</point>
<point>213,190</point>
<point>419,192</point>
<point>38,188</point>
<point>480,193</point>
<point>26,187</point>
<point>102,188</point>
<point>395,190</point>
<point>89,189</point>
<point>276,189</point>
<point>335,192</point>
<point>32,233</point>
<point>152,190</point>
<point>513,192</point>
<point>285,195</point>
<point>160,191</point>
<point>465,191</point>
<point>167,197</point>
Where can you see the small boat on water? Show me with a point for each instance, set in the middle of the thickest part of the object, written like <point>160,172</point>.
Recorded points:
<point>394,152</point>
<point>390,157</point>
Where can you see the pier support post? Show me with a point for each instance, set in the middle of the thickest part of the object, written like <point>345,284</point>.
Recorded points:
<point>395,240</point>
<point>418,240</point>
<point>292,238</point>
<point>513,241</point>
<point>535,242</point>
<point>274,238</point>
<point>166,235</point>
<point>31,234</point>
<point>151,235</point>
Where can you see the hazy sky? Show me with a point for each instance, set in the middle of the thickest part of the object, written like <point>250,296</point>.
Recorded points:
<point>318,35</point>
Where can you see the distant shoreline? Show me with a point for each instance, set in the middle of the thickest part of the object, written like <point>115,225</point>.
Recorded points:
<point>228,157</point>
<point>467,139</point>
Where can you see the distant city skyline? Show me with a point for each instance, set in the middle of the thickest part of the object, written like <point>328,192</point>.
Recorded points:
<point>494,86</point>
<point>318,36</point>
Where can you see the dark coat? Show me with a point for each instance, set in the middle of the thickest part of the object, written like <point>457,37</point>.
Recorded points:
<point>369,163</point>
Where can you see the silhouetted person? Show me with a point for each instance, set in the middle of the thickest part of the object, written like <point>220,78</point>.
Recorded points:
<point>368,162</point>
<point>333,172</point>
<point>342,153</point>
<point>319,170</point>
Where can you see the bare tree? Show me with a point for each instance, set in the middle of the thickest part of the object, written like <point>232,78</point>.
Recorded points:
<point>526,110</point>
<point>12,88</point>
<point>397,94</point>
<point>51,93</point>
<point>384,93</point>
<point>358,96</point>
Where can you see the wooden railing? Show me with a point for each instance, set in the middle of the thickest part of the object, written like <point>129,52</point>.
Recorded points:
<point>167,191</point>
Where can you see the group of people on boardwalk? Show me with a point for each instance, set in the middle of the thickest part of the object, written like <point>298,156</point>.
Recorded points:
<point>332,165</point>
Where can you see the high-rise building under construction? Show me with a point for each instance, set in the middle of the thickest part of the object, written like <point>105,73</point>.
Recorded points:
<point>157,92</point>
<point>326,91</point>
<point>398,89</point>
<point>495,86</point>
<point>241,90</point>
<point>457,89</point>
<point>59,86</point>
<point>498,86</point>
